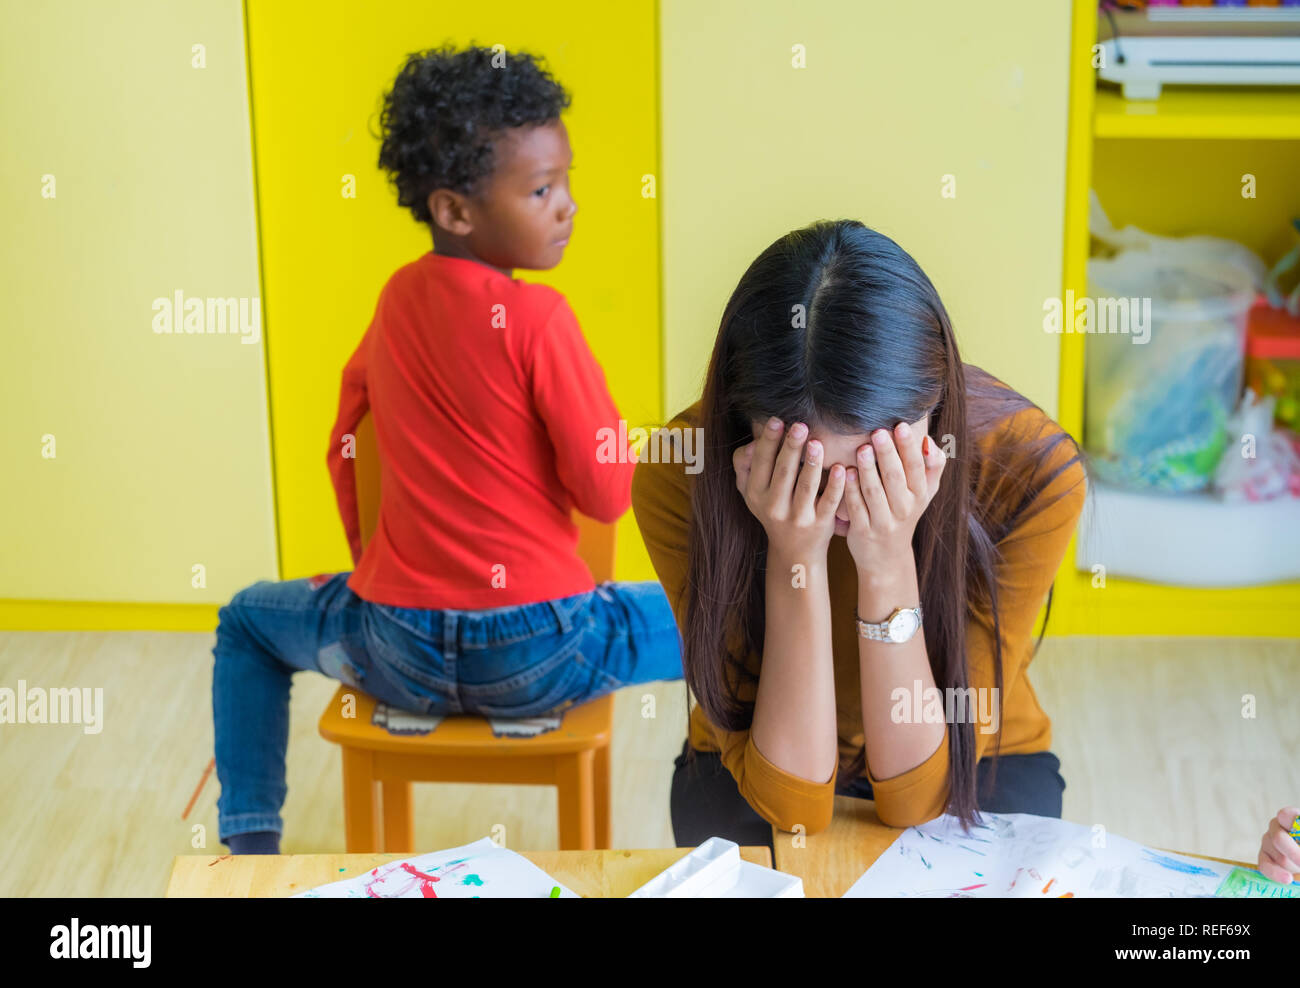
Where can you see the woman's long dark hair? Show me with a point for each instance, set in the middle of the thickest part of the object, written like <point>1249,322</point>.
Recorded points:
<point>837,325</point>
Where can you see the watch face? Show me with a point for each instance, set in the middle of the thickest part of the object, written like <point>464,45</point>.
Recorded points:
<point>903,626</point>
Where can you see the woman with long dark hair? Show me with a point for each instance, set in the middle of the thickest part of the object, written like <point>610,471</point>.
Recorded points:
<point>857,564</point>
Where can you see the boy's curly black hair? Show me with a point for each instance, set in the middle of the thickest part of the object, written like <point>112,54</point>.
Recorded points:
<point>446,108</point>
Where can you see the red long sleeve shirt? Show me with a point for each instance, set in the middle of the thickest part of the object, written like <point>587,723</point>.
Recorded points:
<point>489,411</point>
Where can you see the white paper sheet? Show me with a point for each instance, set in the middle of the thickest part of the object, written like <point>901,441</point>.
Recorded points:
<point>474,871</point>
<point>1017,855</point>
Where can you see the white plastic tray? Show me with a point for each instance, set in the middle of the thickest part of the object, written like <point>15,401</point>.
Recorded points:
<point>1151,62</point>
<point>1189,540</point>
<point>715,870</point>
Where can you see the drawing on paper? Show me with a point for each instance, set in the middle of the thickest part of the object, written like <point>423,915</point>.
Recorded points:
<point>1023,856</point>
<point>478,870</point>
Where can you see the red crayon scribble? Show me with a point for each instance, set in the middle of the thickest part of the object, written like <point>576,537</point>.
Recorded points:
<point>426,881</point>
<point>1048,886</point>
<point>222,858</point>
<point>1068,895</point>
<point>410,869</point>
<point>199,788</point>
<point>1033,873</point>
<point>1015,879</point>
<point>967,888</point>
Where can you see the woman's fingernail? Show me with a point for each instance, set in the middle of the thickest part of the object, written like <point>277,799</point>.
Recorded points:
<point>799,430</point>
<point>880,437</point>
<point>904,430</point>
<point>814,449</point>
<point>773,424</point>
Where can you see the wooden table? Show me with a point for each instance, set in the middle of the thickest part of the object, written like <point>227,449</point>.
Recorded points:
<point>591,874</point>
<point>831,861</point>
<point>828,863</point>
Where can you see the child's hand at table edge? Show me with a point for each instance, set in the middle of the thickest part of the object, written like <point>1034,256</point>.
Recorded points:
<point>1279,852</point>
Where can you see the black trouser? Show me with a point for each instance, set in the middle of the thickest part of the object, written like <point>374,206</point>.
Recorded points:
<point>707,803</point>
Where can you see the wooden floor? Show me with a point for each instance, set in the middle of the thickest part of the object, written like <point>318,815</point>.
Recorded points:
<point>1150,732</point>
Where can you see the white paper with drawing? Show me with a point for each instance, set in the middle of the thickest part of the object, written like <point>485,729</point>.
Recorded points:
<point>1023,856</point>
<point>475,871</point>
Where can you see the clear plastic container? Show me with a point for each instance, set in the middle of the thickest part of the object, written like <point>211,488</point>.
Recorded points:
<point>1160,389</point>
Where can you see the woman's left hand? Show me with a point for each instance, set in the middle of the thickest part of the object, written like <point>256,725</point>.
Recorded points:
<point>894,482</point>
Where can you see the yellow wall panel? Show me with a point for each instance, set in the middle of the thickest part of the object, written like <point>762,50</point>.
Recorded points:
<point>894,96</point>
<point>161,448</point>
<point>318,74</point>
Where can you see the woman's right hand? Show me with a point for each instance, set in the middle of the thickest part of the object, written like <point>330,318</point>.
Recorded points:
<point>783,496</point>
<point>1279,854</point>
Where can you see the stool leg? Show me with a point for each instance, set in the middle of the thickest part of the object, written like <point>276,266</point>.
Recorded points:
<point>601,797</point>
<point>360,802</point>
<point>574,782</point>
<point>399,822</point>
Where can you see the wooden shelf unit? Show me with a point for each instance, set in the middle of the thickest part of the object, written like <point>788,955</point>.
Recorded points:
<point>1254,119</point>
<point>1199,112</point>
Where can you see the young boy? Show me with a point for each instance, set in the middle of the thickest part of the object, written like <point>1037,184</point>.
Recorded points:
<point>488,408</point>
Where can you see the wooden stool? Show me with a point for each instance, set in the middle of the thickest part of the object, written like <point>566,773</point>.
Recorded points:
<point>378,767</point>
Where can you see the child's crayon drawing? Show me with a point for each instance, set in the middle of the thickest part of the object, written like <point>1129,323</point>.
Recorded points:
<point>478,870</point>
<point>1017,855</point>
<point>1242,883</point>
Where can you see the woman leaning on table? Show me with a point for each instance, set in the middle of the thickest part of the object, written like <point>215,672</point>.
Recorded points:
<point>871,515</point>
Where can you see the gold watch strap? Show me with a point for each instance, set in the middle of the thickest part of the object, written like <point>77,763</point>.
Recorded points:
<point>879,630</point>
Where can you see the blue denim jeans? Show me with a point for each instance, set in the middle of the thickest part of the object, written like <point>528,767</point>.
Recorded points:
<point>517,661</point>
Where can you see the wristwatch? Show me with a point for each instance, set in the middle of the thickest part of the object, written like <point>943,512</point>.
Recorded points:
<point>899,627</point>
